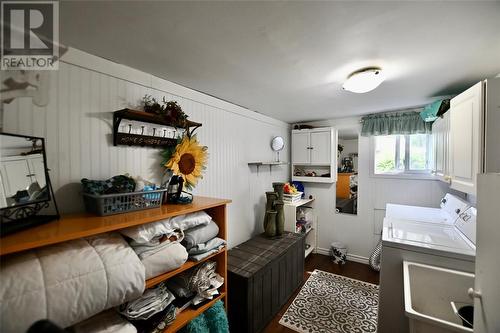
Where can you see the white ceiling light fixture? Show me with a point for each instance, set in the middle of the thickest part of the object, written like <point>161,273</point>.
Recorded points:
<point>364,80</point>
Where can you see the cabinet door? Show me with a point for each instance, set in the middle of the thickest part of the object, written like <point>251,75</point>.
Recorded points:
<point>300,148</point>
<point>465,136</point>
<point>440,133</point>
<point>321,147</point>
<point>15,176</point>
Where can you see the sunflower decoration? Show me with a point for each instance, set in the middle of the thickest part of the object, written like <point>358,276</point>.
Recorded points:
<point>188,159</point>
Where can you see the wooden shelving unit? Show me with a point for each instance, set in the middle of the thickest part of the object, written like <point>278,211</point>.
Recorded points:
<point>76,226</point>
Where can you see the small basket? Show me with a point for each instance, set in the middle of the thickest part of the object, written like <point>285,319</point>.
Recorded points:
<point>291,198</point>
<point>109,204</point>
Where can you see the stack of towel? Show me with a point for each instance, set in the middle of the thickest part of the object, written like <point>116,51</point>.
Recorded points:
<point>165,245</point>
<point>202,241</point>
<point>153,311</point>
<point>198,284</point>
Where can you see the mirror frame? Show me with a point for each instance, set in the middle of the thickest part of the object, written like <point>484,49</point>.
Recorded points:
<point>47,179</point>
<point>282,142</point>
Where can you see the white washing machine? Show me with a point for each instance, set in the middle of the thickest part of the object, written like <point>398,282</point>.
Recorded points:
<point>450,207</point>
<point>442,237</point>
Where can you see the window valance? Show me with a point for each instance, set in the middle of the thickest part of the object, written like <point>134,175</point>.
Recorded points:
<point>394,123</point>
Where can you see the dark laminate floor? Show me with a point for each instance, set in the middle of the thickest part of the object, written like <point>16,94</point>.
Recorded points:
<point>317,261</point>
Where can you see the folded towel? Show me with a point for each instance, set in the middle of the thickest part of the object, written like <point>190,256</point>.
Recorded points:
<point>205,247</point>
<point>201,251</point>
<point>146,232</point>
<point>153,301</point>
<point>203,280</point>
<point>170,257</point>
<point>158,243</point>
<point>157,323</point>
<point>200,234</point>
<point>105,322</point>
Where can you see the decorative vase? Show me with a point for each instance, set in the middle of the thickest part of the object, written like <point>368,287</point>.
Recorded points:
<point>270,230</point>
<point>278,188</point>
<point>280,217</point>
<point>271,197</point>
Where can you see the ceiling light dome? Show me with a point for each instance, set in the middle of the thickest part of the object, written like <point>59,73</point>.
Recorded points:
<point>364,80</point>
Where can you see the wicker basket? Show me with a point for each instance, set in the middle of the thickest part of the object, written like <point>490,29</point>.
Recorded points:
<point>109,204</point>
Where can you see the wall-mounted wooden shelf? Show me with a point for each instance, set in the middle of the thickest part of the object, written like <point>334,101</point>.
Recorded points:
<point>133,139</point>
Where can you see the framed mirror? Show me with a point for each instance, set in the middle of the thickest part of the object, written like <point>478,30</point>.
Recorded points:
<point>347,172</point>
<point>23,176</point>
<point>277,145</point>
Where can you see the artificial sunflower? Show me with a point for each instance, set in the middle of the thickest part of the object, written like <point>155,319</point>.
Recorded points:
<point>188,160</point>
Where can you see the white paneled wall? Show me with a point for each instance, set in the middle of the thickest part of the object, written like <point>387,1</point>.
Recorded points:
<point>77,125</point>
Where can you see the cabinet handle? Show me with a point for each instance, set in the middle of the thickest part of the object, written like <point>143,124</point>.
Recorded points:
<point>31,175</point>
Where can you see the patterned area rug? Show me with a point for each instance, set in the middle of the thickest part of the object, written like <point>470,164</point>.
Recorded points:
<point>332,303</point>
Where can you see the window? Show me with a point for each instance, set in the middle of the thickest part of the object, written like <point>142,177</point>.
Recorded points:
<point>402,154</point>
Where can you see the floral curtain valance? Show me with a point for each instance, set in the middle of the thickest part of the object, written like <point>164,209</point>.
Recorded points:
<point>394,123</point>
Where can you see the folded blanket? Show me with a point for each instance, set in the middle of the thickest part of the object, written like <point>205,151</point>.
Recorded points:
<point>157,244</point>
<point>157,323</point>
<point>153,301</point>
<point>170,257</point>
<point>202,280</point>
<point>68,282</point>
<point>201,251</point>
<point>205,247</point>
<point>200,234</point>
<point>105,322</point>
<point>146,232</point>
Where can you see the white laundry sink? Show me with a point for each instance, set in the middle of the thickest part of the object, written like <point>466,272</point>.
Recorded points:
<point>429,291</point>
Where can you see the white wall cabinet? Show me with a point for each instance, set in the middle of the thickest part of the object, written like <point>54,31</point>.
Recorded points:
<point>466,116</point>
<point>314,152</point>
<point>440,139</point>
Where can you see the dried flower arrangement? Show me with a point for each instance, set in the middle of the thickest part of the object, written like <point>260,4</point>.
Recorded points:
<point>170,110</point>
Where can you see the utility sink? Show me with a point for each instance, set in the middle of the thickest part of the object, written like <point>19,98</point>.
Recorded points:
<point>429,291</point>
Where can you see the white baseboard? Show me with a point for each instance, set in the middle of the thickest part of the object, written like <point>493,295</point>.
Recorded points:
<point>350,257</point>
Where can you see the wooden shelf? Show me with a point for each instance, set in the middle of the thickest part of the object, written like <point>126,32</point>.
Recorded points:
<point>131,139</point>
<point>143,116</point>
<point>190,313</point>
<point>76,226</point>
<point>189,264</point>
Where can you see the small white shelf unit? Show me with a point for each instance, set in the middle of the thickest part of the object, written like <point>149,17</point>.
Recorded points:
<point>291,216</point>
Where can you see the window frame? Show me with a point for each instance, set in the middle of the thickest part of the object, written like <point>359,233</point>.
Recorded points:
<point>407,173</point>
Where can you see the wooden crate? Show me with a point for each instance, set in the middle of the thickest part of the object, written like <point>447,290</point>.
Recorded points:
<point>262,275</point>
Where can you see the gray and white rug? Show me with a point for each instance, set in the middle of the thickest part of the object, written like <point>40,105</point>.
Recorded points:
<point>331,303</point>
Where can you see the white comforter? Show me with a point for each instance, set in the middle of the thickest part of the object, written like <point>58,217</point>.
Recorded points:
<point>68,282</point>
